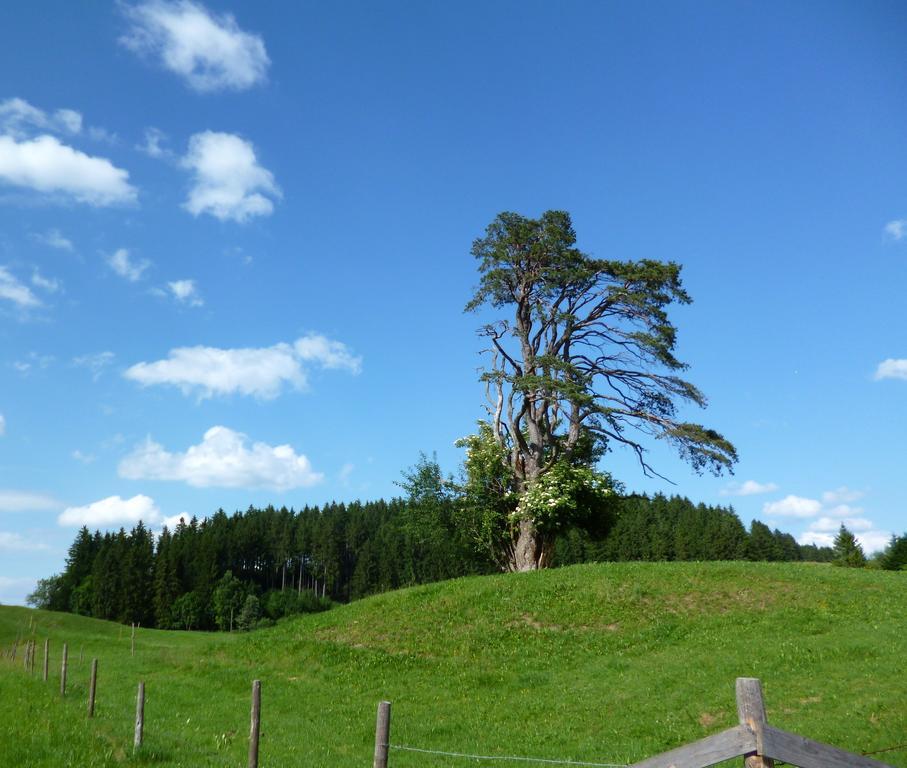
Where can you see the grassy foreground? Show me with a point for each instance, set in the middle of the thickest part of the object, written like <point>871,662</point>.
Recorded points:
<point>600,663</point>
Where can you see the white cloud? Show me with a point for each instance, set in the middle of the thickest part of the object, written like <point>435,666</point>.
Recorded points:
<point>45,165</point>
<point>223,459</point>
<point>228,183</point>
<point>18,293</point>
<point>15,541</point>
<point>328,353</point>
<point>2,425</point>
<point>841,495</point>
<point>260,372</point>
<point>749,488</point>
<point>95,363</point>
<point>152,145</point>
<point>20,119</point>
<point>185,292</point>
<point>871,541</point>
<point>112,511</point>
<point>54,239</point>
<point>896,229</point>
<point>83,458</point>
<point>120,262</point>
<point>792,506</point>
<point>345,471</point>
<point>891,369</point>
<point>844,510</point>
<point>48,284</point>
<point>26,501</point>
<point>834,523</point>
<point>174,520</point>
<point>210,52</point>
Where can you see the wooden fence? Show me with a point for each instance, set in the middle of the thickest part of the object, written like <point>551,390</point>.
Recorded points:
<point>753,739</point>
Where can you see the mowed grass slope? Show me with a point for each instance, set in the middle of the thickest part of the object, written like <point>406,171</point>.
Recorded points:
<point>600,663</point>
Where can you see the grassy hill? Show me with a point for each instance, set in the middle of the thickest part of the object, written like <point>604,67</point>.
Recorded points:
<point>601,663</point>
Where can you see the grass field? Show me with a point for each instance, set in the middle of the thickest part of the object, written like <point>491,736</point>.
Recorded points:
<point>601,663</point>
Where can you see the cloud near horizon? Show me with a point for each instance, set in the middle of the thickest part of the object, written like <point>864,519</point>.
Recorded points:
<point>224,459</point>
<point>112,511</point>
<point>749,488</point>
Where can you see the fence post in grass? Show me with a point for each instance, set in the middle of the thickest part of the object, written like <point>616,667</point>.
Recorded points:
<point>751,710</point>
<point>25,657</point>
<point>382,734</point>
<point>255,730</point>
<point>92,686</point>
<point>132,651</point>
<point>63,670</point>
<point>46,656</point>
<point>139,716</point>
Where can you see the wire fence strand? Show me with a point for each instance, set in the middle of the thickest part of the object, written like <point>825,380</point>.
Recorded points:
<point>510,758</point>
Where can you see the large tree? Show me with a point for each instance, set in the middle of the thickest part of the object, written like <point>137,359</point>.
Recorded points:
<point>582,361</point>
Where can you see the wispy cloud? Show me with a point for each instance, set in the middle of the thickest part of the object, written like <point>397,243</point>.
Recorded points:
<point>209,52</point>
<point>16,292</point>
<point>892,368</point>
<point>153,144</point>
<point>53,239</point>
<point>20,119</point>
<point>897,229</point>
<point>223,459</point>
<point>186,292</point>
<point>260,372</point>
<point>26,501</point>
<point>83,458</point>
<point>16,542</point>
<point>48,284</point>
<point>122,263</point>
<point>749,488</point>
<point>96,363</point>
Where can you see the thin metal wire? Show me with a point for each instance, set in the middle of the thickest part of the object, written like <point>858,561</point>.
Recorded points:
<point>511,758</point>
<point>887,749</point>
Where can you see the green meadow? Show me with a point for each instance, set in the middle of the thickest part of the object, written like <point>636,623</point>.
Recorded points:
<point>607,663</point>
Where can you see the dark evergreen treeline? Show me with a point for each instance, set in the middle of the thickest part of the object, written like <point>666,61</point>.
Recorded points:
<point>674,528</point>
<point>240,569</point>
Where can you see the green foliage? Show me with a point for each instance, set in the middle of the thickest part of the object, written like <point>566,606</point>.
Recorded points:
<point>894,558</point>
<point>250,613</point>
<point>566,496</point>
<point>848,552</point>
<point>582,361</point>
<point>227,600</point>
<point>188,611</point>
<point>48,594</point>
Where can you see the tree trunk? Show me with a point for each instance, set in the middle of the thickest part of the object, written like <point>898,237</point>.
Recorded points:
<point>527,548</point>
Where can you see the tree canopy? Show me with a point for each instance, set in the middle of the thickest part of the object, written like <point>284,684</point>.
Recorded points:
<point>583,361</point>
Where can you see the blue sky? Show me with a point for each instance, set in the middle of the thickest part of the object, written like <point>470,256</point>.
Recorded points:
<point>234,243</point>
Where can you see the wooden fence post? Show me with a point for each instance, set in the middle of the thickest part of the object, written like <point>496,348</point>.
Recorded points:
<point>46,656</point>
<point>382,734</point>
<point>751,711</point>
<point>25,657</point>
<point>139,716</point>
<point>63,670</point>
<point>92,685</point>
<point>255,729</point>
